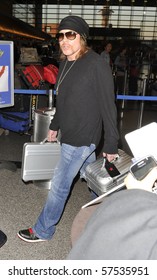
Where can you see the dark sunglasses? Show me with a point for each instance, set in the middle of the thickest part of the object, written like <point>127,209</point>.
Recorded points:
<point>70,35</point>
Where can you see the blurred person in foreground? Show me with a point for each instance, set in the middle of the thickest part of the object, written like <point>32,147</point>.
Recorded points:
<point>123,226</point>
<point>85,100</point>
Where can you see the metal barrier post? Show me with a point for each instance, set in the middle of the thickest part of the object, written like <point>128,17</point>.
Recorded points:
<point>142,104</point>
<point>125,85</point>
<point>50,98</point>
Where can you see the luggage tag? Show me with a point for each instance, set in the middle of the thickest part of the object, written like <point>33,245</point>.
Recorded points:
<point>110,167</point>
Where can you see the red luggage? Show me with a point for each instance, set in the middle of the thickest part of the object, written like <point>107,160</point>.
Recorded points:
<point>33,76</point>
<point>50,73</point>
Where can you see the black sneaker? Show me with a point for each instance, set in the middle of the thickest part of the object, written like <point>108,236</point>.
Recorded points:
<point>28,235</point>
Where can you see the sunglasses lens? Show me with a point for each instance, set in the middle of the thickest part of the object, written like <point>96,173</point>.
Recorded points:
<point>60,36</point>
<point>70,35</point>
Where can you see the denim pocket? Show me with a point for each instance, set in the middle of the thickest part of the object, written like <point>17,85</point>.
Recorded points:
<point>88,151</point>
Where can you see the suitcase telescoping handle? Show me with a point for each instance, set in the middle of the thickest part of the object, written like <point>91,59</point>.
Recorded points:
<point>51,101</point>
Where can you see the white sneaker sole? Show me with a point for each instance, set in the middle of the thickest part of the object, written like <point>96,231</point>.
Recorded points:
<point>30,241</point>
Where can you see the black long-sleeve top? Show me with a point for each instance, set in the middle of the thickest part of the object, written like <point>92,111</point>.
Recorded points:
<point>86,100</point>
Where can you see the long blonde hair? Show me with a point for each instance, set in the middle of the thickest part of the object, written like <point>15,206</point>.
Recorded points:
<point>83,50</point>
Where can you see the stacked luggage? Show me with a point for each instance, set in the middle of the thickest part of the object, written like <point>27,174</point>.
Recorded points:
<point>29,74</point>
<point>15,121</point>
<point>34,74</point>
<point>39,76</point>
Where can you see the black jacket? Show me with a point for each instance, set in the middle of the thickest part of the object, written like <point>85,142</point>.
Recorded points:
<point>85,100</point>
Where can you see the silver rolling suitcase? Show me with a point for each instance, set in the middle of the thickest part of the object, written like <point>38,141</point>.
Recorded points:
<point>98,178</point>
<point>39,159</point>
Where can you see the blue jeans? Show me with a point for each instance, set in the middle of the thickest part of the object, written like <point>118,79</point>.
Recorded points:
<point>72,160</point>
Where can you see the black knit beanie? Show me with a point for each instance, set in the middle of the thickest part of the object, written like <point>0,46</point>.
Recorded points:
<point>75,23</point>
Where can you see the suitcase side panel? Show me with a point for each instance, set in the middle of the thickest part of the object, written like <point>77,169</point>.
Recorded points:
<point>39,160</point>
